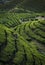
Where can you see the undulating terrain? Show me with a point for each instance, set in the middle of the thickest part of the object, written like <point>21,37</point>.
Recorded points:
<point>22,33</point>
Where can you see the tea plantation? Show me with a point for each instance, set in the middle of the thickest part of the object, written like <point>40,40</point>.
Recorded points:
<point>22,41</point>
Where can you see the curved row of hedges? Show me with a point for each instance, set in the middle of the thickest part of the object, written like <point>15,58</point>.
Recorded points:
<point>20,47</point>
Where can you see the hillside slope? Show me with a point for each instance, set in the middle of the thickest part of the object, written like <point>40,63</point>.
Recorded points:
<point>9,19</point>
<point>34,5</point>
<point>35,30</point>
<point>20,46</point>
<point>8,4</point>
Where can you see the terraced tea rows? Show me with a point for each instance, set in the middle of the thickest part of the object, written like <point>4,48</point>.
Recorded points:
<point>20,47</point>
<point>22,32</point>
<point>35,30</point>
<point>21,43</point>
<point>10,20</point>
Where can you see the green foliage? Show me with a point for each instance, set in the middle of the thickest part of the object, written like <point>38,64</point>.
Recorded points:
<point>33,5</point>
<point>9,20</point>
<point>22,36</point>
<point>19,47</point>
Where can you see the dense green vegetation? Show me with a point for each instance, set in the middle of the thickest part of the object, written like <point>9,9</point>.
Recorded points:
<point>9,20</point>
<point>33,5</point>
<point>22,32</point>
<point>12,19</point>
<point>20,45</point>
